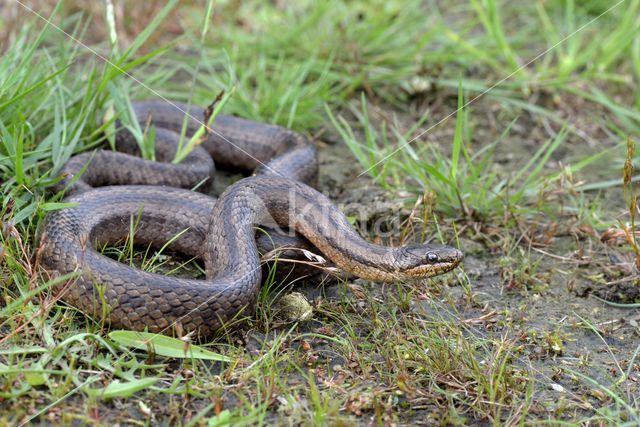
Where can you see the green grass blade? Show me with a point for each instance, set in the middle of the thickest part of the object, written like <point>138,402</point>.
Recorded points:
<point>164,346</point>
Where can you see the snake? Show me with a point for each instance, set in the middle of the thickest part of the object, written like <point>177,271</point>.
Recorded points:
<point>108,191</point>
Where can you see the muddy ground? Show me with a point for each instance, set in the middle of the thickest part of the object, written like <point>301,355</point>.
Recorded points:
<point>540,295</point>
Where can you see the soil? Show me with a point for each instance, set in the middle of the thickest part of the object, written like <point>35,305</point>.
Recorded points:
<point>541,298</point>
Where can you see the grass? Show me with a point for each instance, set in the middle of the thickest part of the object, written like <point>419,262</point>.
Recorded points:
<point>518,162</point>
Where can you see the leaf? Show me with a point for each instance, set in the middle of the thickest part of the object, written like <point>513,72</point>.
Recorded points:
<point>197,137</point>
<point>53,206</point>
<point>120,389</point>
<point>35,379</point>
<point>23,350</point>
<point>37,85</point>
<point>19,303</point>
<point>224,418</point>
<point>457,138</point>
<point>164,346</point>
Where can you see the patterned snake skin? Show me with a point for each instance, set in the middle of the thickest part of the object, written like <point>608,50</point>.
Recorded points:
<point>222,232</point>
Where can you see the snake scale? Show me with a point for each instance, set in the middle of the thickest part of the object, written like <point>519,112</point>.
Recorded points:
<point>109,188</point>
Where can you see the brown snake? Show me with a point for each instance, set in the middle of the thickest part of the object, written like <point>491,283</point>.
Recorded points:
<point>222,232</point>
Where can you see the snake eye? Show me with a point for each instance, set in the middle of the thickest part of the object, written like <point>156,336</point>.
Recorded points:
<point>431,257</point>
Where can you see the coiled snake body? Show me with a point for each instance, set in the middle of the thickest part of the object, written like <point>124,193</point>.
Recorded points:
<point>222,232</point>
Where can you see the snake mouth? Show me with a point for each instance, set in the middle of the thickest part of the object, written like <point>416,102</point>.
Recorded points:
<point>430,270</point>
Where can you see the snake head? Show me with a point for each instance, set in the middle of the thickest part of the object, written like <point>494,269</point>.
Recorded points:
<point>423,261</point>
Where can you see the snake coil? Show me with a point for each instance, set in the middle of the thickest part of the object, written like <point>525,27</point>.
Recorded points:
<point>221,232</point>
